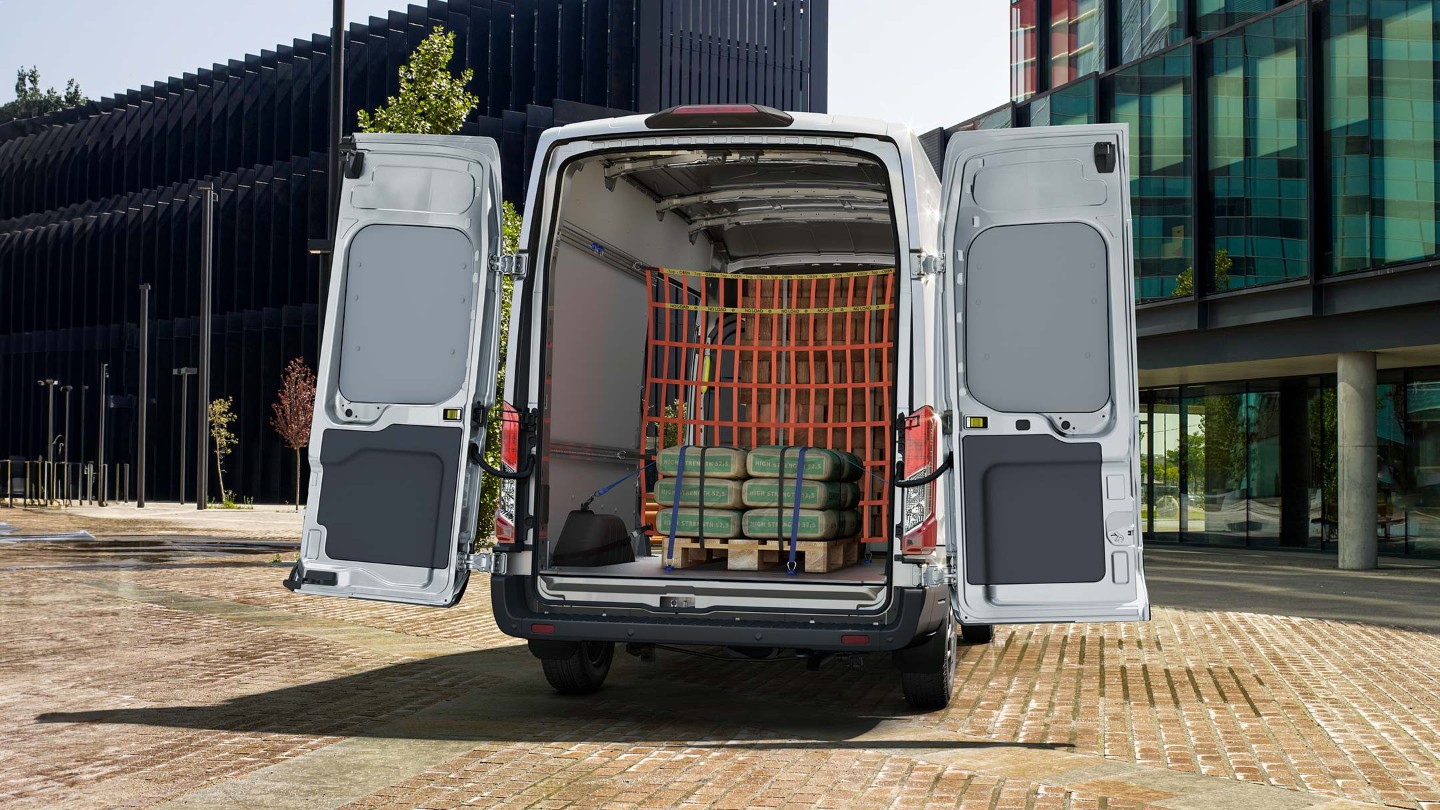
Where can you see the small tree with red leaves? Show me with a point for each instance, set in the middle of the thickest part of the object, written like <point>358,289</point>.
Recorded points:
<point>293,410</point>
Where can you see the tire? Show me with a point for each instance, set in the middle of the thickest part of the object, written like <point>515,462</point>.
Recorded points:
<point>977,633</point>
<point>929,688</point>
<point>581,673</point>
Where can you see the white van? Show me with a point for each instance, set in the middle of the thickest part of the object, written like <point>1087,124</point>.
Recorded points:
<point>998,484</point>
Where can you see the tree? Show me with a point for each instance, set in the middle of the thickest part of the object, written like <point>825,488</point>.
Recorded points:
<point>31,101</point>
<point>221,416</point>
<point>431,99</point>
<point>490,489</point>
<point>293,409</point>
<point>1185,281</point>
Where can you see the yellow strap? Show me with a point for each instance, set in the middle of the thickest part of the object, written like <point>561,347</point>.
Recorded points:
<point>775,310</point>
<point>774,277</point>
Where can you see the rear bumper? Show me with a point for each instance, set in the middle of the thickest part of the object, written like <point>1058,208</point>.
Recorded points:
<point>914,612</point>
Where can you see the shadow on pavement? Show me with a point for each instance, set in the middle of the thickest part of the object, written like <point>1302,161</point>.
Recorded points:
<point>501,696</point>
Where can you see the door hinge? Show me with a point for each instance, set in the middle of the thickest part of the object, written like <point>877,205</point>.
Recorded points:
<point>927,265</point>
<point>932,575</point>
<point>513,265</point>
<point>485,562</point>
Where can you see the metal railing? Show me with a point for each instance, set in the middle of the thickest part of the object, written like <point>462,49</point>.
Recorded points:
<point>43,483</point>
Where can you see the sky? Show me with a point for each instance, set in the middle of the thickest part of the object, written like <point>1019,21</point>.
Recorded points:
<point>927,63</point>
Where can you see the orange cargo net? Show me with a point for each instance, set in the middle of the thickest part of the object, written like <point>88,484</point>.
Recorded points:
<point>750,360</point>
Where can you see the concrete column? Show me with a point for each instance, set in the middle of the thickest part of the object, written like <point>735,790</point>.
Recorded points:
<point>1356,444</point>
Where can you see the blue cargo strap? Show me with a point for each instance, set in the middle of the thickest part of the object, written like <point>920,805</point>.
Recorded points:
<point>601,492</point>
<point>675,509</point>
<point>795,513</point>
<point>780,498</point>
<point>700,520</point>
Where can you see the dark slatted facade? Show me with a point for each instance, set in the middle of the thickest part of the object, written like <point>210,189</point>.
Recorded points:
<point>96,200</point>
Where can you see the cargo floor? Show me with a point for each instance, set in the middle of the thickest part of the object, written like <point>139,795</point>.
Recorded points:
<point>873,573</point>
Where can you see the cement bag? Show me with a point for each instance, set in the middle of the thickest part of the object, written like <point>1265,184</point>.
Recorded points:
<point>720,462</point>
<point>720,524</point>
<point>720,493</point>
<point>813,524</point>
<point>820,464</point>
<point>813,494</point>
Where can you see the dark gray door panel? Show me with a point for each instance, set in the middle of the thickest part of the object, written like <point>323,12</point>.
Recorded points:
<point>1033,510</point>
<point>389,494</point>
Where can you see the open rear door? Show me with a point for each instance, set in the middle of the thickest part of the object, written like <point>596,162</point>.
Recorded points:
<point>407,372</point>
<point>1042,380</point>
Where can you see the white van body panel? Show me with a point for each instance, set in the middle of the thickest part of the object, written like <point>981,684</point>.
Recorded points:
<point>911,179</point>
<point>1039,321</point>
<point>407,363</point>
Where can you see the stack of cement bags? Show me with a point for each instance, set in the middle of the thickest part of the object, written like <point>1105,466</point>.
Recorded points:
<point>827,494</point>
<point>710,490</point>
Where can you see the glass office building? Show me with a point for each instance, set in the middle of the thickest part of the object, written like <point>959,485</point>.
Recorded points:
<point>1284,167</point>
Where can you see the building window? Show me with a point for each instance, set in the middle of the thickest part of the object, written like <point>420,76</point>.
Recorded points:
<point>998,118</point>
<point>1153,97</point>
<point>1217,15</point>
<point>1148,26</point>
<point>1038,111</point>
<point>1415,492</point>
<point>1382,119</point>
<point>1023,53</point>
<point>1160,465</point>
<point>1257,153</point>
<point>1074,104</point>
<point>1077,39</point>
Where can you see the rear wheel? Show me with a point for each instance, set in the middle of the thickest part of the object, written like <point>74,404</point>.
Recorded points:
<point>977,633</point>
<point>928,684</point>
<point>583,671</point>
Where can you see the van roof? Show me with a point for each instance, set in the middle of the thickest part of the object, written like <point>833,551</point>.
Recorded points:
<point>804,121</point>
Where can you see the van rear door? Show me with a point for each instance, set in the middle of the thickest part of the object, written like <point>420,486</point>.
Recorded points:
<point>1041,376</point>
<point>407,372</point>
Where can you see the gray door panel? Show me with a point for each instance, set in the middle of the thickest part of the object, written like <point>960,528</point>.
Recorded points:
<point>407,372</point>
<point>1043,513</point>
<point>391,495</point>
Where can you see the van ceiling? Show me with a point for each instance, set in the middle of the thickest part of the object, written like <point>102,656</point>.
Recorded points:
<point>757,203</point>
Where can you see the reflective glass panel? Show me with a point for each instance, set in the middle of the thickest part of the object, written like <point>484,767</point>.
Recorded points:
<point>1022,49</point>
<point>1077,39</point>
<point>1418,494</point>
<point>1257,153</point>
<point>1147,26</point>
<point>1382,118</point>
<point>1074,104</point>
<point>1153,97</point>
<point>1217,15</point>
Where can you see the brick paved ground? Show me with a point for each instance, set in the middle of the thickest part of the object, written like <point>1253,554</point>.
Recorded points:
<point>202,683</point>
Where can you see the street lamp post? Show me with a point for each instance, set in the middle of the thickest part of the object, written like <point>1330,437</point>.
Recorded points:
<point>65,447</point>
<point>100,454</point>
<point>49,441</point>
<point>202,426</point>
<point>141,448</point>
<point>184,373</point>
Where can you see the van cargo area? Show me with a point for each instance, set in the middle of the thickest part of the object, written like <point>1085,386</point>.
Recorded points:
<point>722,328</point>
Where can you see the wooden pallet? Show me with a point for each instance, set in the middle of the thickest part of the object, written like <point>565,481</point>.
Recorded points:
<point>811,556</point>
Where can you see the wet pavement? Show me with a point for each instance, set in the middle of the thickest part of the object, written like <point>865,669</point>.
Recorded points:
<point>176,671</point>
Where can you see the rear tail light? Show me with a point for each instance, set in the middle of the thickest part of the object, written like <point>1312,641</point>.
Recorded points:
<point>700,116</point>
<point>509,461</point>
<point>918,528</point>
